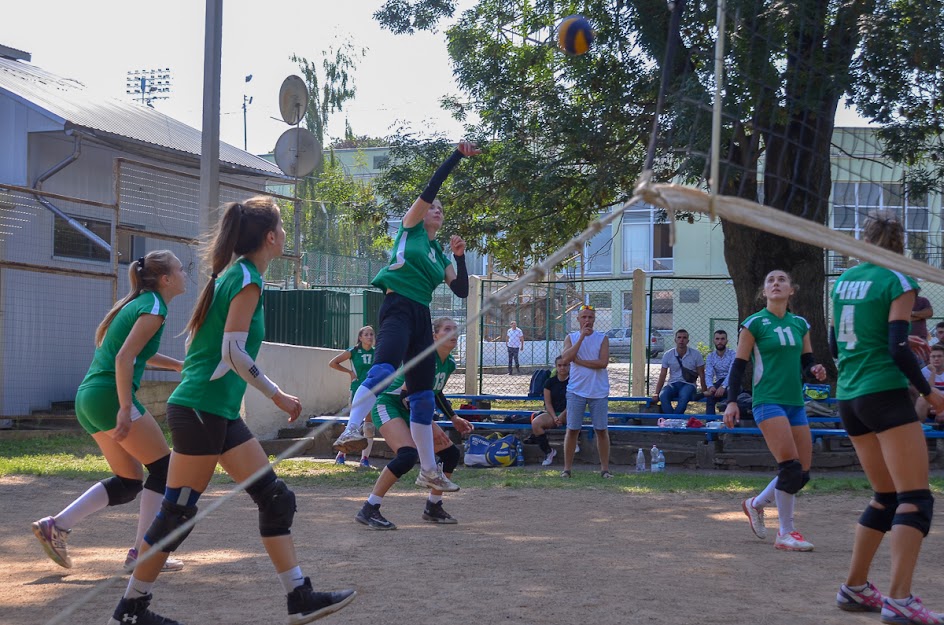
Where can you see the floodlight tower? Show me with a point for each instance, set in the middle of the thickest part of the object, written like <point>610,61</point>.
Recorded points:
<point>149,84</point>
<point>247,100</point>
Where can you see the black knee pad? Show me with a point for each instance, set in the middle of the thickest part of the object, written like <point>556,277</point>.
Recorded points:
<point>121,490</point>
<point>920,519</point>
<point>450,458</point>
<point>170,517</point>
<point>790,478</point>
<point>806,479</point>
<point>406,459</point>
<point>276,503</point>
<point>157,474</point>
<point>880,520</point>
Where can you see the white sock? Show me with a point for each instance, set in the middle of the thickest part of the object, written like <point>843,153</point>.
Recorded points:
<point>423,437</point>
<point>366,452</point>
<point>374,500</point>
<point>766,497</point>
<point>150,506</point>
<point>364,400</point>
<point>785,503</point>
<point>137,588</point>
<point>292,578</point>
<point>434,498</point>
<point>89,502</point>
<point>902,602</point>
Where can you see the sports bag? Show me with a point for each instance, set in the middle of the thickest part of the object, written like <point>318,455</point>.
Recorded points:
<point>538,378</point>
<point>493,450</point>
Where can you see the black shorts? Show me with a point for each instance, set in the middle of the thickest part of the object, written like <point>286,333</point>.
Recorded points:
<point>406,329</point>
<point>200,433</point>
<point>877,412</point>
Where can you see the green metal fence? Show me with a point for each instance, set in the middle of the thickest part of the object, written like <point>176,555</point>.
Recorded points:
<point>314,318</point>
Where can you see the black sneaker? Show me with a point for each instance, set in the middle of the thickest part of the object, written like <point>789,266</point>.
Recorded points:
<point>531,440</point>
<point>305,605</point>
<point>135,612</point>
<point>434,513</point>
<point>370,516</point>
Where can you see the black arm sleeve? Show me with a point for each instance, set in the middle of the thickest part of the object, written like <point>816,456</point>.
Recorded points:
<point>436,182</point>
<point>806,363</point>
<point>735,377</point>
<point>833,345</point>
<point>903,356</point>
<point>460,286</point>
<point>444,406</point>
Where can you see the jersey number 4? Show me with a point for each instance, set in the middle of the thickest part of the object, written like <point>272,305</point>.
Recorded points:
<point>785,335</point>
<point>846,332</point>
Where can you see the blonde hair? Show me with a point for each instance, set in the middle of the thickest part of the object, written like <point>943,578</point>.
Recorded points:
<point>882,228</point>
<point>143,275</point>
<point>241,231</point>
<point>439,321</point>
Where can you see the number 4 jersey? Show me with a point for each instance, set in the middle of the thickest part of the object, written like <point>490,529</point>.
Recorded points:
<point>861,299</point>
<point>778,344</point>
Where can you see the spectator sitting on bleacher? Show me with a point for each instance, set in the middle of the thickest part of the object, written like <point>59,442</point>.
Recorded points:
<point>934,374</point>
<point>684,367</point>
<point>717,367</point>
<point>554,414</point>
<point>938,335</point>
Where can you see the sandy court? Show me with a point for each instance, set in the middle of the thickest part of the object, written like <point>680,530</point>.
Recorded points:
<point>518,556</point>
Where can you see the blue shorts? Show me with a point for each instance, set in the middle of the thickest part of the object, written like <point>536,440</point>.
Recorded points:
<point>597,407</point>
<point>796,415</point>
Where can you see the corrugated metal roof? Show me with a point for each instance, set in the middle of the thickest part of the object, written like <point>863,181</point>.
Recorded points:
<point>68,102</point>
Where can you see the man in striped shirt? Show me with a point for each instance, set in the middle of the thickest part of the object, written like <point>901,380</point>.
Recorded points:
<point>717,367</point>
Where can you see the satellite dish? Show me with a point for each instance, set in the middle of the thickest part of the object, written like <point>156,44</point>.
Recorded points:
<point>293,100</point>
<point>297,152</point>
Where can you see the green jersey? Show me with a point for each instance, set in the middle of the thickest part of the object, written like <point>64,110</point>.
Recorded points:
<point>778,345</point>
<point>362,360</point>
<point>102,370</point>
<point>861,300</point>
<point>417,266</point>
<point>391,398</point>
<point>223,395</point>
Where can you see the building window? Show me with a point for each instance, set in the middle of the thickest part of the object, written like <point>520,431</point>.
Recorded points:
<point>70,243</point>
<point>598,256</point>
<point>852,202</point>
<point>381,162</point>
<point>130,247</point>
<point>646,242</point>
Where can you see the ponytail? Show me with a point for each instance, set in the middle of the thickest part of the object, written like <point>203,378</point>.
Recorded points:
<point>241,231</point>
<point>143,275</point>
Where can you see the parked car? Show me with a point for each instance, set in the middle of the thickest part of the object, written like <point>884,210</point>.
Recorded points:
<point>621,341</point>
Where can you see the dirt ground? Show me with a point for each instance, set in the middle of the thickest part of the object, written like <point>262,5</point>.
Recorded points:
<point>518,556</point>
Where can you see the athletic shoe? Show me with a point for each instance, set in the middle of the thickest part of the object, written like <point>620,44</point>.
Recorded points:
<point>171,565</point>
<point>606,475</point>
<point>436,480</point>
<point>531,440</point>
<point>370,516</point>
<point>756,517</point>
<point>305,605</point>
<point>135,611</point>
<point>549,459</point>
<point>365,464</point>
<point>869,599</point>
<point>53,541</point>
<point>565,473</point>
<point>912,614</point>
<point>351,441</point>
<point>434,513</point>
<point>793,541</point>
<point>340,459</point>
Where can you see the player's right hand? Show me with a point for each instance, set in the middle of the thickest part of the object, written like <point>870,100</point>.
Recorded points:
<point>732,415</point>
<point>288,404</point>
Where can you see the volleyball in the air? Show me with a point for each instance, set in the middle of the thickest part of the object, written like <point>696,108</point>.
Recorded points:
<point>502,455</point>
<point>574,35</point>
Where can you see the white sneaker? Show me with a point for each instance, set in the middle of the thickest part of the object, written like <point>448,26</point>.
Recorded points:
<point>577,450</point>
<point>549,459</point>
<point>436,480</point>
<point>793,541</point>
<point>756,517</point>
<point>351,441</point>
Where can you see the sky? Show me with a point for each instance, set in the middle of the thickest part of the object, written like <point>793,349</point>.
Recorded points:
<point>399,81</point>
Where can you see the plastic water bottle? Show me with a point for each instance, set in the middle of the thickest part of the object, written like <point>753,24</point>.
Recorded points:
<point>654,459</point>
<point>520,461</point>
<point>661,460</point>
<point>640,461</point>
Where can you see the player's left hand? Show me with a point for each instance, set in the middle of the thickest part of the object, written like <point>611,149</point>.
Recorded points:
<point>462,426</point>
<point>920,347</point>
<point>457,245</point>
<point>819,372</point>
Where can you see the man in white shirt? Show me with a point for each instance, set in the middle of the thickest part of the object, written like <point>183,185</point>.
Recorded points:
<point>588,388</point>
<point>515,343</point>
<point>684,367</point>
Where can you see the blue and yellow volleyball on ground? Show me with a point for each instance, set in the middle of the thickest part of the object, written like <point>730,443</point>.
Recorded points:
<point>574,35</point>
<point>503,455</point>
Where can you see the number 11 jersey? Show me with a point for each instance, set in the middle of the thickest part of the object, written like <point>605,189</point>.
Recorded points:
<point>778,344</point>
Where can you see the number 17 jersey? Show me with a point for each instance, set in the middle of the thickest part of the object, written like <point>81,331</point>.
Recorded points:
<point>862,297</point>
